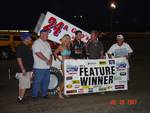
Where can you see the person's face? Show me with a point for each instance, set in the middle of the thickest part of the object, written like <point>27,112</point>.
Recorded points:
<point>120,41</point>
<point>79,36</point>
<point>28,41</point>
<point>44,36</point>
<point>67,40</point>
<point>93,36</point>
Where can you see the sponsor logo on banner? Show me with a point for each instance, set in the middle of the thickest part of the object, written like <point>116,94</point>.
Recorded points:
<point>117,78</point>
<point>121,65</point>
<point>111,62</point>
<point>119,86</point>
<point>81,66</point>
<point>86,87</point>
<point>69,78</point>
<point>123,73</point>
<point>80,91</point>
<point>109,87</point>
<point>102,63</point>
<point>71,91</point>
<point>69,86</point>
<point>96,86</point>
<point>92,63</point>
<point>102,89</point>
<point>76,82</point>
<point>121,69</point>
<point>122,82</point>
<point>76,86</point>
<point>72,69</point>
<point>105,88</point>
<point>90,90</point>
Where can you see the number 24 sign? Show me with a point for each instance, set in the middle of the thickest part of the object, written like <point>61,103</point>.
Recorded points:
<point>58,27</point>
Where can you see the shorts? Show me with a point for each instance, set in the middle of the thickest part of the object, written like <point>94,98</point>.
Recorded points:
<point>25,80</point>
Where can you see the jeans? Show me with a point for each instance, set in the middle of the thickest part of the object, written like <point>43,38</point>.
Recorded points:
<point>41,80</point>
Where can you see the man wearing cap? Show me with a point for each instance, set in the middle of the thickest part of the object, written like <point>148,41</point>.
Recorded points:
<point>25,62</point>
<point>120,49</point>
<point>42,61</point>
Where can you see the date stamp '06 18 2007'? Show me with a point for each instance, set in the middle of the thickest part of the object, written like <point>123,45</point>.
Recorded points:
<point>124,102</point>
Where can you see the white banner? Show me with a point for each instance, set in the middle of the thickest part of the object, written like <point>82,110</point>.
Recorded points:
<point>91,76</point>
<point>59,27</point>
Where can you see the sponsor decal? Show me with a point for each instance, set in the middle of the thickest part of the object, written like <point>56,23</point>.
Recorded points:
<point>76,86</point>
<point>81,66</point>
<point>117,78</point>
<point>123,73</point>
<point>110,87</point>
<point>111,62</point>
<point>121,65</point>
<point>102,63</point>
<point>90,90</point>
<point>76,82</point>
<point>80,90</point>
<point>122,82</point>
<point>96,86</point>
<point>69,78</point>
<point>69,86</point>
<point>86,87</point>
<point>121,69</point>
<point>71,91</point>
<point>119,86</point>
<point>105,88</point>
<point>102,89</point>
<point>91,63</point>
<point>71,69</point>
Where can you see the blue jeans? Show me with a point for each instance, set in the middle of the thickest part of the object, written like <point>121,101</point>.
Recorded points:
<point>41,80</point>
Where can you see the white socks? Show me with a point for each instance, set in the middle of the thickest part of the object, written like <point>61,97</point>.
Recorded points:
<point>20,98</point>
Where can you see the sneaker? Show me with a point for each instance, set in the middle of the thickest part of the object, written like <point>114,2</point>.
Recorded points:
<point>21,101</point>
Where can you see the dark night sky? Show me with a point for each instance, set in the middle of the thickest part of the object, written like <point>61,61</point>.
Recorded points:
<point>130,15</point>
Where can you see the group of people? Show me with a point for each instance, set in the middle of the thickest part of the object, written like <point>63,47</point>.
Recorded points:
<point>38,59</point>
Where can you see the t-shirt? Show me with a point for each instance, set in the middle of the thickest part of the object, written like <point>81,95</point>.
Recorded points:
<point>94,49</point>
<point>120,51</point>
<point>25,52</point>
<point>43,47</point>
<point>78,50</point>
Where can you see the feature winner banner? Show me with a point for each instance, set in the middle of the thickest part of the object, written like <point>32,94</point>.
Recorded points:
<point>58,28</point>
<point>91,76</point>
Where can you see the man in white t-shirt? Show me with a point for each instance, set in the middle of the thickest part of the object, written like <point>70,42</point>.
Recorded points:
<point>42,61</point>
<point>120,49</point>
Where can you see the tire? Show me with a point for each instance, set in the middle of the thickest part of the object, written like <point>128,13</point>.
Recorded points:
<point>56,79</point>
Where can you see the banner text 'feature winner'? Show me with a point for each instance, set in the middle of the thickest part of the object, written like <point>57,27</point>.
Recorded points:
<point>91,76</point>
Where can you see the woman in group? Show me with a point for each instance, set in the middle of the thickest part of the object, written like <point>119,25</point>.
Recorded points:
<point>64,50</point>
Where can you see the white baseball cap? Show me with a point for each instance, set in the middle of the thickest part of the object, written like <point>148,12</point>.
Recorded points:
<point>120,37</point>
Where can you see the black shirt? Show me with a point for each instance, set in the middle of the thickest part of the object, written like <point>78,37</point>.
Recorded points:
<point>25,52</point>
<point>78,50</point>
